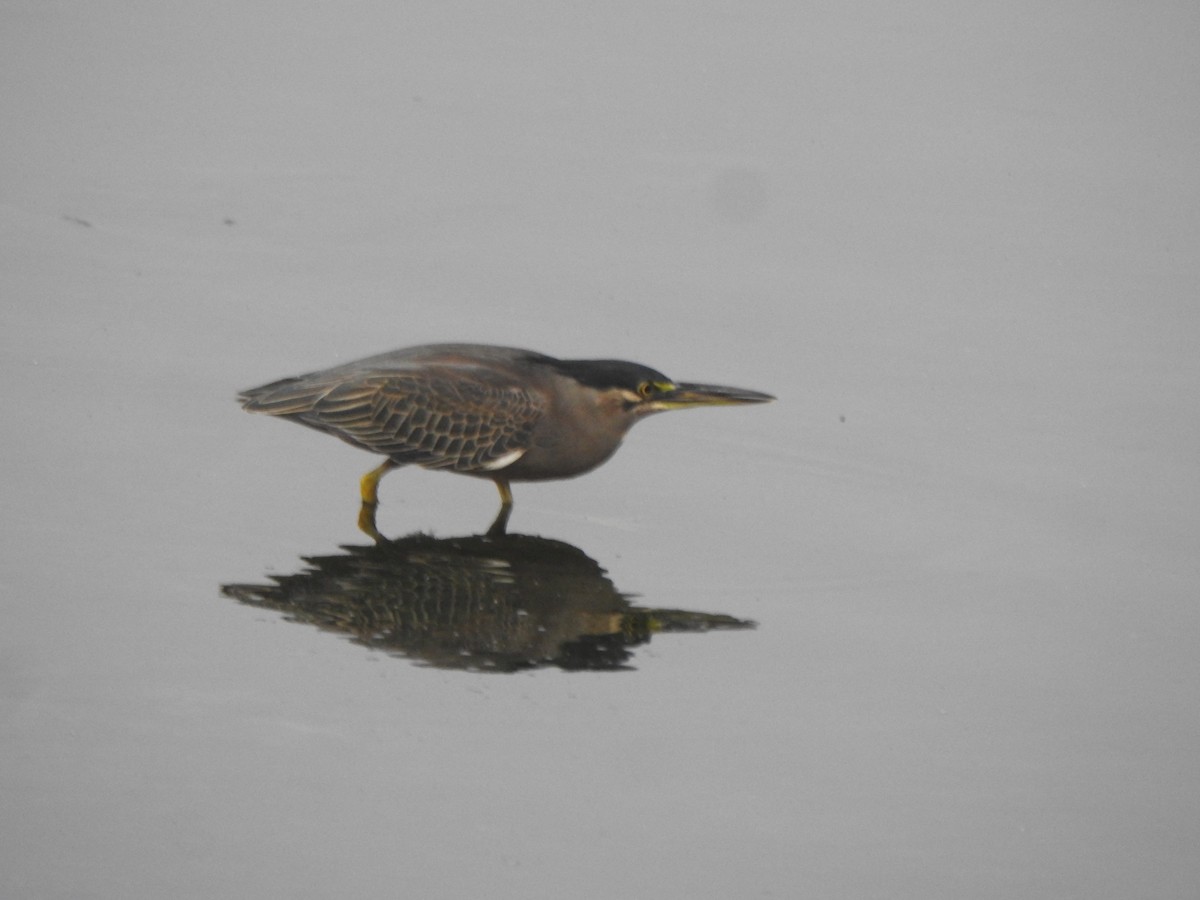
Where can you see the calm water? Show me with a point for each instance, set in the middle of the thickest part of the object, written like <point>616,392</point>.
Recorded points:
<point>961,252</point>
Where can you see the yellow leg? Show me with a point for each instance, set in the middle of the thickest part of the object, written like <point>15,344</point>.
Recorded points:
<point>369,488</point>
<point>501,524</point>
<point>366,523</point>
<point>370,482</point>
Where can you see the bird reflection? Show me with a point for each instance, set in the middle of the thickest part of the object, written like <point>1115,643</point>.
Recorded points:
<point>497,604</point>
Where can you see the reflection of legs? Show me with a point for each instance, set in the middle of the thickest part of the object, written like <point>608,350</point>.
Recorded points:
<point>369,487</point>
<point>501,524</point>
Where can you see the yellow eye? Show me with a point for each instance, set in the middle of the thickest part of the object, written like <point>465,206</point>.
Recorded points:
<point>646,388</point>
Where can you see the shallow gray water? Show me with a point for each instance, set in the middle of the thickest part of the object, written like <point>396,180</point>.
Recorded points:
<point>959,246</point>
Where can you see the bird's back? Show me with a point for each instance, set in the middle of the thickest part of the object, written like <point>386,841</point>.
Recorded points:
<point>458,406</point>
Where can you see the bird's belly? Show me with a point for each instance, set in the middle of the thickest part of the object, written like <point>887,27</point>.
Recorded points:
<point>545,464</point>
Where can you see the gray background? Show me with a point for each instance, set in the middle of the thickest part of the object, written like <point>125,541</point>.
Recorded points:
<point>958,241</point>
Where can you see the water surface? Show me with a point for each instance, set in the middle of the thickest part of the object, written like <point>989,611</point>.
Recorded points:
<point>959,248</point>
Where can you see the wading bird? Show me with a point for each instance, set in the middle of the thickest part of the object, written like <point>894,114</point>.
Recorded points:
<point>492,412</point>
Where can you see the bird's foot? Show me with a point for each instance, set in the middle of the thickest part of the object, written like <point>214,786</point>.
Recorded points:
<point>499,527</point>
<point>366,522</point>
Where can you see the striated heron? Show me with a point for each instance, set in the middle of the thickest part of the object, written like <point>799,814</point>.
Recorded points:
<point>492,412</point>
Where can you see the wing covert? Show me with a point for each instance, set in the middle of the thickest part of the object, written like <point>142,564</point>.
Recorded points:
<point>454,423</point>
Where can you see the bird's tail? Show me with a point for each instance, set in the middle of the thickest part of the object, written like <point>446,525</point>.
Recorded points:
<point>287,397</point>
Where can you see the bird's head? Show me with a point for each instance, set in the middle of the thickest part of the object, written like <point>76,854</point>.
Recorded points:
<point>641,390</point>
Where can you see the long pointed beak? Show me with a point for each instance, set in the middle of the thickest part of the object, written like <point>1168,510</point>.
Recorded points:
<point>684,396</point>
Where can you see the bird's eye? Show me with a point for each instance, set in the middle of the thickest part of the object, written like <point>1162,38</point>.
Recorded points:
<point>646,388</point>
